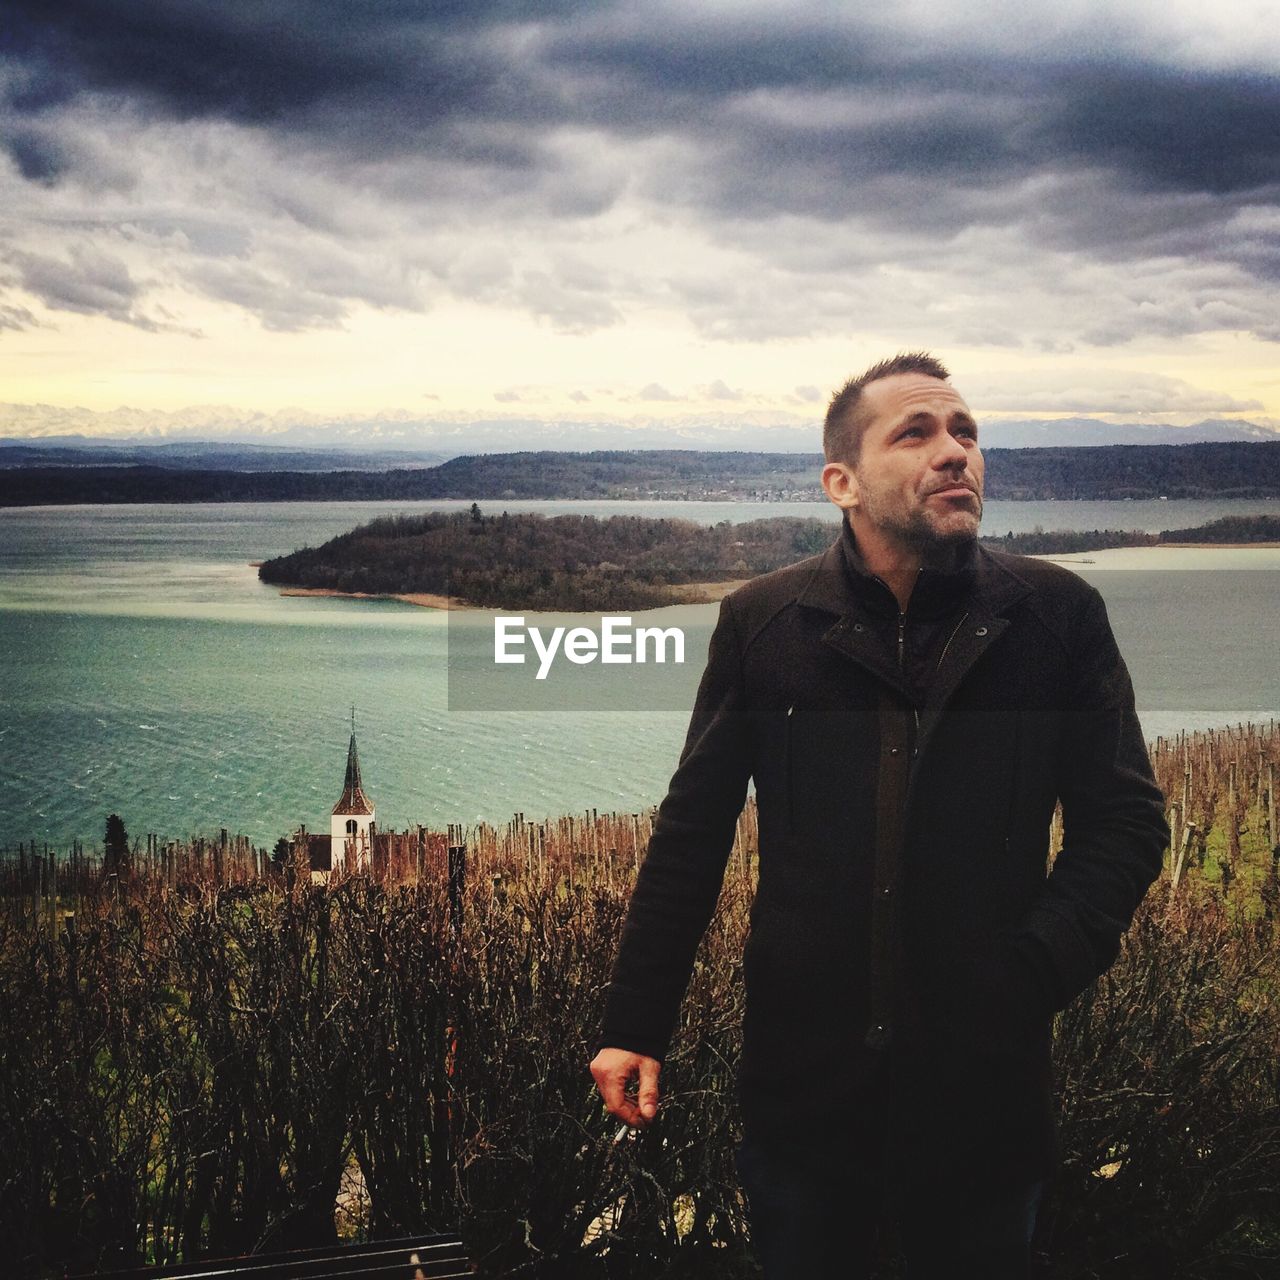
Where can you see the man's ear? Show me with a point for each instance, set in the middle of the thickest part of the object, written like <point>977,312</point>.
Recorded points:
<point>840,481</point>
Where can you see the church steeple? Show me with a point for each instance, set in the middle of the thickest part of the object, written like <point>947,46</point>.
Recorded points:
<point>352,826</point>
<point>353,799</point>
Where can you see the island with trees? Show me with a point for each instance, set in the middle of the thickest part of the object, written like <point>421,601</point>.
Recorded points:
<point>566,563</point>
<point>573,563</point>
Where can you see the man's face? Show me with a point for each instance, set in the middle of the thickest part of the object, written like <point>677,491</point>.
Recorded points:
<point>918,478</point>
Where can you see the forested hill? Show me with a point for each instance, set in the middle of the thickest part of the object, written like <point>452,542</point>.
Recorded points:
<point>1235,470</point>
<point>1245,470</point>
<point>546,562</point>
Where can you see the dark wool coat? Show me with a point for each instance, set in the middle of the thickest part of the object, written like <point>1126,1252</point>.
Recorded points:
<point>908,944</point>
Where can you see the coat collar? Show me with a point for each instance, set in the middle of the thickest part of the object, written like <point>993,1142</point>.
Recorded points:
<point>994,587</point>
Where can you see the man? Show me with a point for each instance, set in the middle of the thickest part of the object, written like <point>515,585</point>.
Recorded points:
<point>911,708</point>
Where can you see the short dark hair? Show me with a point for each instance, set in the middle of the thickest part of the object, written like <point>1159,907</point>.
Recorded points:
<point>842,430</point>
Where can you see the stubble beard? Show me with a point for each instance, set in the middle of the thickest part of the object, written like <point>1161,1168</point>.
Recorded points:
<point>920,529</point>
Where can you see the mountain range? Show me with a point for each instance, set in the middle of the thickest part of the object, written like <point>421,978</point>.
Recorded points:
<point>390,443</point>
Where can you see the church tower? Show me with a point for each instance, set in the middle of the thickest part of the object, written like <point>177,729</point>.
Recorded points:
<point>351,828</point>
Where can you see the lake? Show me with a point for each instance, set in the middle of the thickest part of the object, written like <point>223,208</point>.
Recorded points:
<point>148,672</point>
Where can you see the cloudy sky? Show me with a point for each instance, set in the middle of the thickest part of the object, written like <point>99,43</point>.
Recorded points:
<point>633,213</point>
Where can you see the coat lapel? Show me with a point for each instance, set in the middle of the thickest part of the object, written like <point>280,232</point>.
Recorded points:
<point>850,635</point>
<point>995,590</point>
<point>977,630</point>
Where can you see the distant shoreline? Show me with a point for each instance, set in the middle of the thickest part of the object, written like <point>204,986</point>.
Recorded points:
<point>689,592</point>
<point>1155,546</point>
<point>1262,546</point>
<point>423,599</point>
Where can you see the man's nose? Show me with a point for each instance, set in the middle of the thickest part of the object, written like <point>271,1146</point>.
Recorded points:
<point>950,453</point>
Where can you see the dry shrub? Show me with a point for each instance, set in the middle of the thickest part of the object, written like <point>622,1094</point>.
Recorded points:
<point>192,1071</point>
<point>1169,1069</point>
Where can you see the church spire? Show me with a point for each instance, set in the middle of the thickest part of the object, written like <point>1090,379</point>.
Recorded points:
<point>353,799</point>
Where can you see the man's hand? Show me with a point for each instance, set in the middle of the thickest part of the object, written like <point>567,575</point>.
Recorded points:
<point>621,1076</point>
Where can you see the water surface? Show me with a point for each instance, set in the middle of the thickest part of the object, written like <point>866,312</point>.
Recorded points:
<point>147,671</point>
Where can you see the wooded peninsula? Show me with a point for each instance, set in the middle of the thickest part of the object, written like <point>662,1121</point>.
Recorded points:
<point>587,564</point>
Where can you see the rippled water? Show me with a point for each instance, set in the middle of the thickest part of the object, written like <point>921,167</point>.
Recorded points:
<point>147,671</point>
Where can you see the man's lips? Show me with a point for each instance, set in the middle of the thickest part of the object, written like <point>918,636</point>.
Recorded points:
<point>953,491</point>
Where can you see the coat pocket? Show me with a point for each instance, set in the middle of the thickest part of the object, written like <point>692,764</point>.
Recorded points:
<point>820,795</point>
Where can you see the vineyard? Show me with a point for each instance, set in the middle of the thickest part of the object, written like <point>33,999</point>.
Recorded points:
<point>203,1053</point>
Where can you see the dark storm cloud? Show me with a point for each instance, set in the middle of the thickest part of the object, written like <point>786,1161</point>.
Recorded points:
<point>249,62</point>
<point>1176,130</point>
<point>957,112</point>
<point>690,60</point>
<point>888,144</point>
<point>390,73</point>
<point>37,158</point>
<point>268,63</point>
<point>940,160</point>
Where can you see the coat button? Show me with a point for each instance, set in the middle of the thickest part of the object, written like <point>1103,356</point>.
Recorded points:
<point>887,891</point>
<point>981,631</point>
<point>857,626</point>
<point>877,1037</point>
<point>893,751</point>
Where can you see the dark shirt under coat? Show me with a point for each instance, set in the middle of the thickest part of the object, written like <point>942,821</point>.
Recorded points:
<point>908,943</point>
